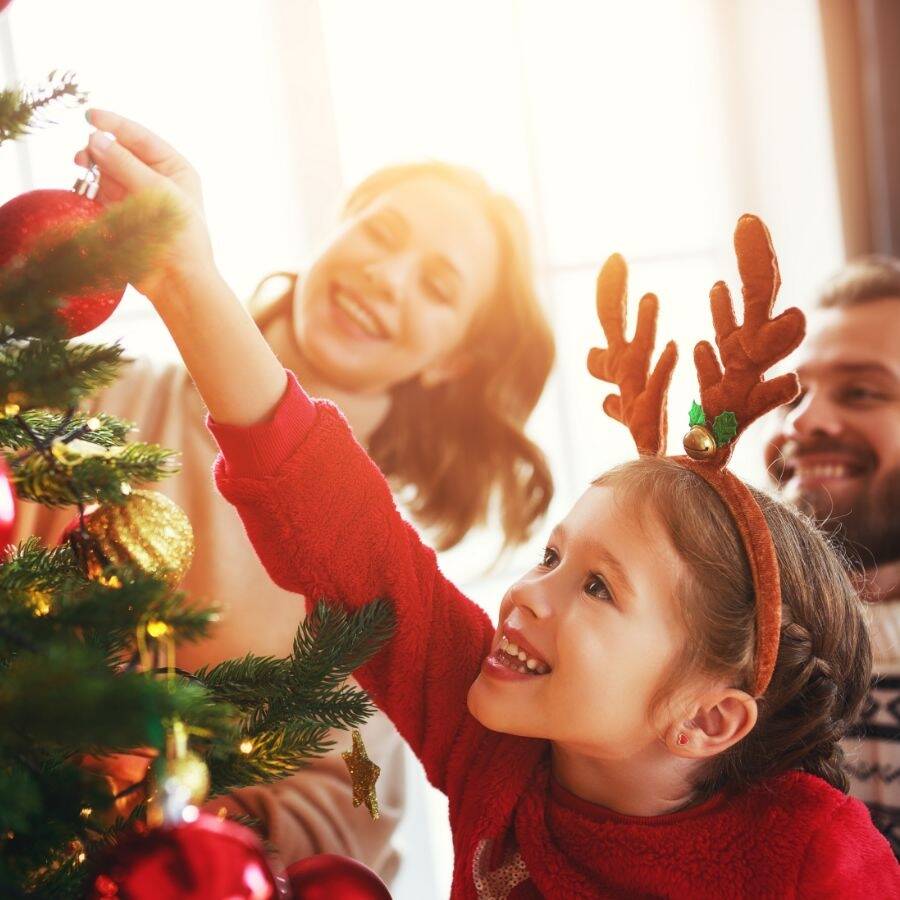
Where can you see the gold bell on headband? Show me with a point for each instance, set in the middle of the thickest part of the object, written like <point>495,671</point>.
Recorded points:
<point>699,442</point>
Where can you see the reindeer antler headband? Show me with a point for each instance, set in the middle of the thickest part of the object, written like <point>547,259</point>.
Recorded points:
<point>731,398</point>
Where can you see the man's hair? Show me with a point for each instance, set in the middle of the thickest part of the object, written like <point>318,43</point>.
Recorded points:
<point>862,280</point>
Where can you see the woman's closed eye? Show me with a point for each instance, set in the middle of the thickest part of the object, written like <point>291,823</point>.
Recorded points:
<point>381,232</point>
<point>439,291</point>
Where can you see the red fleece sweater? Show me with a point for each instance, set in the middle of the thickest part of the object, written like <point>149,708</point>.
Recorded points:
<point>324,523</point>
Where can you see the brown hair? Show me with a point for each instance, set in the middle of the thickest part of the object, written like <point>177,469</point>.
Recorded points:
<point>824,658</point>
<point>460,444</point>
<point>862,280</point>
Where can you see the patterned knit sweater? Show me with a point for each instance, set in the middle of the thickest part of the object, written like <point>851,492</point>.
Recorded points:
<point>322,519</point>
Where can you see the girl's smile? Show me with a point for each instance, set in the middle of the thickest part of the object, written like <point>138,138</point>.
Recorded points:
<point>513,658</point>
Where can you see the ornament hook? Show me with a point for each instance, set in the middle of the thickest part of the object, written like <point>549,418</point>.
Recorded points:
<point>89,183</point>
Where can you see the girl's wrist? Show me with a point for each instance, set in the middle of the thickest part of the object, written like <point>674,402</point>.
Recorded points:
<point>186,291</point>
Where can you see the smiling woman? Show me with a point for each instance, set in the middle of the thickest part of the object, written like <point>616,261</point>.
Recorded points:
<point>420,319</point>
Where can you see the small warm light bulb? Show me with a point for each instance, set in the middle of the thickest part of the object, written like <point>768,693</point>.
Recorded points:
<point>157,628</point>
<point>81,856</point>
<point>190,813</point>
<point>93,424</point>
<point>125,488</point>
<point>11,409</point>
<point>86,811</point>
<point>246,746</point>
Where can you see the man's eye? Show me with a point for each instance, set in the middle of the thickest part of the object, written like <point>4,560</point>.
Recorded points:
<point>550,559</point>
<point>796,401</point>
<point>596,587</point>
<point>862,396</point>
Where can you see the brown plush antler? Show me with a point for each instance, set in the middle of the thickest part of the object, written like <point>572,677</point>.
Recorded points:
<point>749,349</point>
<point>641,402</point>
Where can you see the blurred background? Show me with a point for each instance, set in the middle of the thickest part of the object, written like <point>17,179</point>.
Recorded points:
<point>641,127</point>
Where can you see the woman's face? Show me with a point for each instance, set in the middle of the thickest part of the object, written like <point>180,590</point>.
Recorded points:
<point>392,295</point>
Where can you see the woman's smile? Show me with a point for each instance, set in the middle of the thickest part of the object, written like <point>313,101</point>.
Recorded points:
<point>354,315</point>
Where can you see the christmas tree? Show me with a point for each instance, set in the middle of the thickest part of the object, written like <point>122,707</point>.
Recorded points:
<point>102,732</point>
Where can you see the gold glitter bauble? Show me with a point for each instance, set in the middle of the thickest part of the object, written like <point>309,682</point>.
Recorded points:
<point>148,531</point>
<point>699,442</point>
<point>363,773</point>
<point>187,774</point>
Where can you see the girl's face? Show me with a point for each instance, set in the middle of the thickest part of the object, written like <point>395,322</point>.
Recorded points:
<point>393,294</point>
<point>598,625</point>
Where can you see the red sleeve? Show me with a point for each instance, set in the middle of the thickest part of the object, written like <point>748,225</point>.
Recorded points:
<point>848,858</point>
<point>323,521</point>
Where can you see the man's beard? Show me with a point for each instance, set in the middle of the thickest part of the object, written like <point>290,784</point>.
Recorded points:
<point>869,533</point>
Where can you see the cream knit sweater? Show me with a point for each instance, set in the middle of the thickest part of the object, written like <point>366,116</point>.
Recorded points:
<point>310,812</point>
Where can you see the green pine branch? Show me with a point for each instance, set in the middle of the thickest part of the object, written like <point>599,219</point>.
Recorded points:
<point>22,110</point>
<point>72,475</point>
<point>121,246</point>
<point>55,373</point>
<point>275,754</point>
<point>18,432</point>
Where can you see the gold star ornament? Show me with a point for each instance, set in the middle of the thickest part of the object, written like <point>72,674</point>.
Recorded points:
<point>363,773</point>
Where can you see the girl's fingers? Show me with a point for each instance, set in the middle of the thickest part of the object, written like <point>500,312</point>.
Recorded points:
<point>142,142</point>
<point>120,164</point>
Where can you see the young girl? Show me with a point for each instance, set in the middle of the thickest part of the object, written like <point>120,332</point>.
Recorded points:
<point>630,728</point>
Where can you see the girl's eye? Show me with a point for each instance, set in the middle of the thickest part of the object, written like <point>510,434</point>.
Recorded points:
<point>551,558</point>
<point>596,587</point>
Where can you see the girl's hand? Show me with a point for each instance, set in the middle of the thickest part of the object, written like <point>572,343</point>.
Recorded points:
<point>138,160</point>
<point>208,323</point>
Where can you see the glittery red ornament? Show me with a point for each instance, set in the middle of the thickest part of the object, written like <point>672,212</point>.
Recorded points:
<point>24,219</point>
<point>327,876</point>
<point>7,506</point>
<point>208,859</point>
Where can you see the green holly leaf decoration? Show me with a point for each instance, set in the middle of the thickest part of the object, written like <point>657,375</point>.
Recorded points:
<point>696,415</point>
<point>725,428</point>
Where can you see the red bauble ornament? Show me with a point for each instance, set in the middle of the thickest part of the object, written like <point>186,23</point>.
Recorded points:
<point>329,877</point>
<point>4,4</point>
<point>208,859</point>
<point>7,506</point>
<point>24,219</point>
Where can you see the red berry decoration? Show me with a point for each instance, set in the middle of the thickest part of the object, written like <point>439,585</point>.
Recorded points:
<point>26,218</point>
<point>7,506</point>
<point>208,859</point>
<point>328,876</point>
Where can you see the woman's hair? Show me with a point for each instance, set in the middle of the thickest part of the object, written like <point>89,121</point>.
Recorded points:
<point>824,658</point>
<point>453,448</point>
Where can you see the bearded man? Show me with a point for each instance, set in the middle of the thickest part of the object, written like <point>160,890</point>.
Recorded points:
<point>836,455</point>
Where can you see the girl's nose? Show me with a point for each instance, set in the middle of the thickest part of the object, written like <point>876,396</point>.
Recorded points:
<point>531,598</point>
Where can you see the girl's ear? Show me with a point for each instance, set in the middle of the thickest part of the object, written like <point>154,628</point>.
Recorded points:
<point>453,366</point>
<point>718,722</point>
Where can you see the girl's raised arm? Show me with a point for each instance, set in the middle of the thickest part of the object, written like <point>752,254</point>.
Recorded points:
<point>236,372</point>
